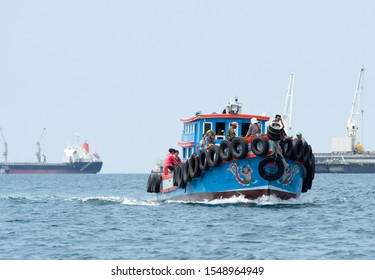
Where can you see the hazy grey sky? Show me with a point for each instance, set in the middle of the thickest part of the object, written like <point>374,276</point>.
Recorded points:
<point>122,73</point>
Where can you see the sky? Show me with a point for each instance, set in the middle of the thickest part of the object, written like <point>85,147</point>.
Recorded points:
<point>122,74</point>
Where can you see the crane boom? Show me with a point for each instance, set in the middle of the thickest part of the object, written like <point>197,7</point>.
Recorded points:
<point>38,145</point>
<point>356,109</point>
<point>288,108</point>
<point>5,153</point>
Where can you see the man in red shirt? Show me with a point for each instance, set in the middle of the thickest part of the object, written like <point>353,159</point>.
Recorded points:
<point>170,160</point>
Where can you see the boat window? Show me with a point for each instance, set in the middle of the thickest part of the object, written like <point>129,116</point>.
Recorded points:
<point>207,126</point>
<point>190,152</point>
<point>189,128</point>
<point>244,128</point>
<point>220,130</point>
<point>187,152</point>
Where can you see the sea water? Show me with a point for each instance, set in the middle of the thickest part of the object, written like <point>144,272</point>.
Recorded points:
<point>105,216</point>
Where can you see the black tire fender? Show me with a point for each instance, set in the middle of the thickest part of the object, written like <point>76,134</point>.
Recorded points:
<point>313,166</point>
<point>267,175</point>
<point>260,146</point>
<point>154,183</point>
<point>179,176</point>
<point>298,149</point>
<point>194,169</point>
<point>157,183</point>
<point>306,151</point>
<point>310,173</point>
<point>214,160</point>
<point>149,189</point>
<point>274,131</point>
<point>203,161</point>
<point>175,172</point>
<point>185,172</point>
<point>287,147</point>
<point>225,152</point>
<point>310,155</point>
<point>239,148</point>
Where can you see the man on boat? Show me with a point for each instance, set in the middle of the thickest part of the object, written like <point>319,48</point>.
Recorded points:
<point>254,129</point>
<point>177,157</point>
<point>299,136</point>
<point>209,139</point>
<point>231,134</point>
<point>280,123</point>
<point>170,160</point>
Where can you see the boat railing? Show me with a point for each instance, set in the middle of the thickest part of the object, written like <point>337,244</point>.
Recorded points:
<point>340,154</point>
<point>28,163</point>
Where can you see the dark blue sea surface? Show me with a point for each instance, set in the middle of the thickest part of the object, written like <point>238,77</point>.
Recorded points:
<point>111,217</point>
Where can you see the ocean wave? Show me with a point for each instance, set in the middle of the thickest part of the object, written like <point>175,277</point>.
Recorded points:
<point>129,201</point>
<point>118,200</point>
<point>241,200</point>
<point>132,201</point>
<point>104,199</point>
<point>24,199</point>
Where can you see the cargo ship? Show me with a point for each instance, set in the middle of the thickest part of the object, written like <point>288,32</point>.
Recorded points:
<point>347,155</point>
<point>77,160</point>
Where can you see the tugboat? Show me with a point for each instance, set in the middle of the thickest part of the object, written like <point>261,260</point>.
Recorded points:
<point>267,164</point>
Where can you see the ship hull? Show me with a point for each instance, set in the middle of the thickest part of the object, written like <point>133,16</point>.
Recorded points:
<point>235,178</point>
<point>345,168</point>
<point>51,168</point>
<point>345,163</point>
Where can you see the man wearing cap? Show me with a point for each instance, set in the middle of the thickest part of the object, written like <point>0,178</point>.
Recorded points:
<point>254,128</point>
<point>231,131</point>
<point>209,139</point>
<point>299,136</point>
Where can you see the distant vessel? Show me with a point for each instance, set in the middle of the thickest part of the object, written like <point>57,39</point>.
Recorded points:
<point>77,160</point>
<point>348,155</point>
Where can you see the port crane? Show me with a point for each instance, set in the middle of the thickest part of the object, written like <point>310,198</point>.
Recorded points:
<point>356,110</point>
<point>39,147</point>
<point>288,107</point>
<point>5,153</point>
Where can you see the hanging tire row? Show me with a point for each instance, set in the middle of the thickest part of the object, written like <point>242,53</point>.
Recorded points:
<point>301,151</point>
<point>154,183</point>
<point>238,148</point>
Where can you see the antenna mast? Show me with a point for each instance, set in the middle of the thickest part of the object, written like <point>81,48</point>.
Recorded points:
<point>38,147</point>
<point>356,109</point>
<point>5,153</point>
<point>288,108</point>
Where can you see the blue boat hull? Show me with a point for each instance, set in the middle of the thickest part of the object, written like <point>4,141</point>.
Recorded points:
<point>236,178</point>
